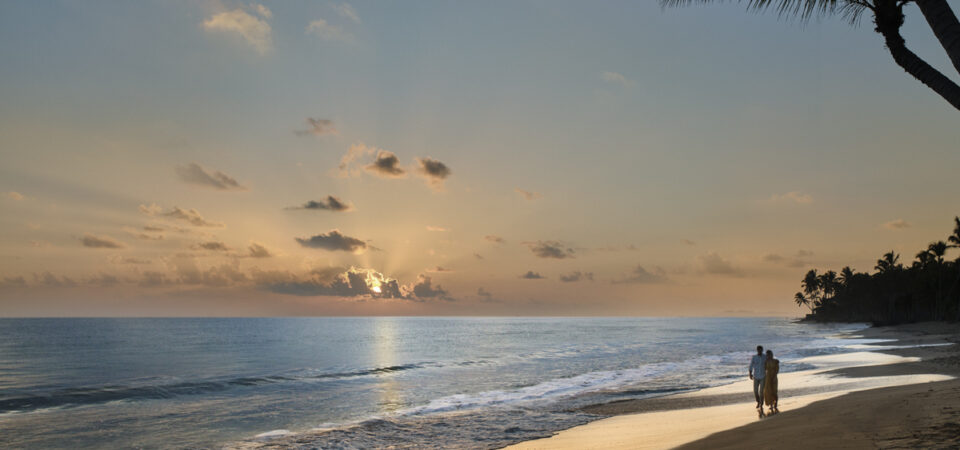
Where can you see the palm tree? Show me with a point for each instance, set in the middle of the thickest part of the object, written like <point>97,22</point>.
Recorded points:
<point>954,240</point>
<point>828,284</point>
<point>924,259</point>
<point>802,301</point>
<point>888,262</point>
<point>811,286</point>
<point>936,251</point>
<point>846,276</point>
<point>888,19</point>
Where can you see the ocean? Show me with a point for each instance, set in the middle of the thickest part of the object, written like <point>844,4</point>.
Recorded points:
<point>367,382</point>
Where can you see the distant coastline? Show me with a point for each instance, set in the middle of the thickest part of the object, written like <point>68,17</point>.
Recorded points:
<point>927,290</point>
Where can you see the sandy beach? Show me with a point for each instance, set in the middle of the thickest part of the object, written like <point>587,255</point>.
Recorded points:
<point>899,393</point>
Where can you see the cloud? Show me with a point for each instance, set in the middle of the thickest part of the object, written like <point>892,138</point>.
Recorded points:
<point>15,196</point>
<point>154,279</point>
<point>773,257</point>
<point>615,78</point>
<point>334,241</point>
<point>318,127</point>
<point>263,11</point>
<point>184,271</point>
<point>43,279</point>
<point>688,242</point>
<point>439,269</point>
<point>478,256</point>
<point>495,239</point>
<point>713,263</point>
<point>347,284</point>
<point>434,171</point>
<point>195,174</point>
<point>102,280</point>
<point>485,296</point>
<point>192,216</point>
<point>424,289</point>
<point>794,261</point>
<point>188,273</point>
<point>47,279</point>
<point>92,241</point>
<point>386,165</point>
<point>347,11</point>
<point>792,196</point>
<point>531,275</point>
<point>145,236</point>
<point>331,203</point>
<point>13,282</point>
<point>353,282</point>
<point>214,246</point>
<point>898,224</point>
<point>153,229</point>
<point>129,260</point>
<point>254,30</point>
<point>257,250</point>
<point>355,151</point>
<point>528,195</point>
<point>617,248</point>
<point>550,249</point>
<point>575,276</point>
<point>328,32</point>
<point>434,228</point>
<point>640,275</point>
<point>152,210</point>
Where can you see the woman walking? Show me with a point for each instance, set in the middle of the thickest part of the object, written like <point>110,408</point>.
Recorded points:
<point>772,367</point>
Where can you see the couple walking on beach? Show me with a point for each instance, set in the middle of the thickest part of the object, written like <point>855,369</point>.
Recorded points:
<point>763,371</point>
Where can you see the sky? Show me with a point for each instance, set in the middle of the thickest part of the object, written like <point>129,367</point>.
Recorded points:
<point>284,158</point>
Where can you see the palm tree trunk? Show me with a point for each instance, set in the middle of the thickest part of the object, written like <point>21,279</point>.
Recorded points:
<point>945,26</point>
<point>940,301</point>
<point>919,68</point>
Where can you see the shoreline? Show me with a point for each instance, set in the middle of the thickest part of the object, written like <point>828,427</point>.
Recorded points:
<point>914,360</point>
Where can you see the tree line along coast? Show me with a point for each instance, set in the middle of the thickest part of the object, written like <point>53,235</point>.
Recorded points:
<point>927,289</point>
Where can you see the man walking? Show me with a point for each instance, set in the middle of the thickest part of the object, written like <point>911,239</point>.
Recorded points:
<point>757,372</point>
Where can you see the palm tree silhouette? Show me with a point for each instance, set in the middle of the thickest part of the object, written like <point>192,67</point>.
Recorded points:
<point>936,251</point>
<point>888,19</point>
<point>811,287</point>
<point>888,262</point>
<point>802,301</point>
<point>924,259</point>
<point>828,284</point>
<point>846,276</point>
<point>954,240</point>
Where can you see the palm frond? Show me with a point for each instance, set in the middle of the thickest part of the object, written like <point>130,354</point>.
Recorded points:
<point>849,10</point>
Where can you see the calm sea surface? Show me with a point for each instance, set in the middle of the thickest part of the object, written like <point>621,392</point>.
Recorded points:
<point>419,382</point>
